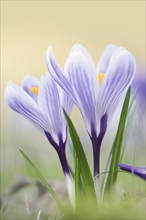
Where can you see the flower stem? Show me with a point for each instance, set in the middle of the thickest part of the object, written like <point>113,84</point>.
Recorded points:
<point>96,143</point>
<point>68,179</point>
<point>96,155</point>
<point>60,149</point>
<point>63,161</point>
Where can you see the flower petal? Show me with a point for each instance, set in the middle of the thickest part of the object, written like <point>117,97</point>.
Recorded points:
<point>138,92</point>
<point>28,83</point>
<point>139,89</point>
<point>21,102</point>
<point>105,58</point>
<point>58,74</point>
<point>116,82</point>
<point>83,78</point>
<point>66,102</point>
<point>49,103</point>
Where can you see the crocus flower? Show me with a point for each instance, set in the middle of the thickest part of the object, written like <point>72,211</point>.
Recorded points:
<point>138,171</point>
<point>41,102</point>
<point>96,91</point>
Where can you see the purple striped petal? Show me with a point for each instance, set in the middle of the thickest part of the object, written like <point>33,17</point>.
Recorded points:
<point>21,102</point>
<point>139,88</point>
<point>139,171</point>
<point>57,73</point>
<point>116,82</point>
<point>105,58</point>
<point>66,102</point>
<point>138,93</point>
<point>28,83</point>
<point>83,78</point>
<point>50,104</point>
<point>79,80</point>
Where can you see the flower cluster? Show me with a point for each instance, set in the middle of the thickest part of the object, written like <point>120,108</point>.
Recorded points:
<point>96,91</point>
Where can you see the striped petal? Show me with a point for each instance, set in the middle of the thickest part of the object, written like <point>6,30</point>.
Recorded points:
<point>105,58</point>
<point>66,102</point>
<point>83,78</point>
<point>30,84</point>
<point>117,79</point>
<point>58,74</point>
<point>139,89</point>
<point>50,104</point>
<point>21,102</point>
<point>62,79</point>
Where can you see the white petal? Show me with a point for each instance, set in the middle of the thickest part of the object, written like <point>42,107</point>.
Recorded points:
<point>28,83</point>
<point>83,78</point>
<point>22,103</point>
<point>116,82</point>
<point>57,73</point>
<point>105,58</point>
<point>66,101</point>
<point>49,103</point>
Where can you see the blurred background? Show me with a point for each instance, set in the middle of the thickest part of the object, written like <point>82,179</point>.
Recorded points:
<point>27,29</point>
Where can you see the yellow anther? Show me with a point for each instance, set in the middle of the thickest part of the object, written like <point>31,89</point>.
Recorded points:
<point>100,77</point>
<point>34,90</point>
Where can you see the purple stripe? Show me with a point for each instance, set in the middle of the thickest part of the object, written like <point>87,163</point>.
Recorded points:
<point>61,80</point>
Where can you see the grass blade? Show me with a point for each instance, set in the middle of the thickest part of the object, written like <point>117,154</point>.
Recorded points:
<point>77,183</point>
<point>126,132</point>
<point>131,112</point>
<point>106,171</point>
<point>85,170</point>
<point>113,171</point>
<point>59,203</point>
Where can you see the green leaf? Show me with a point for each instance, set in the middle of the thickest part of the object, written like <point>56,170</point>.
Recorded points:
<point>130,115</point>
<point>77,183</point>
<point>126,132</point>
<point>106,171</point>
<point>71,171</point>
<point>59,203</point>
<point>116,151</point>
<point>84,167</point>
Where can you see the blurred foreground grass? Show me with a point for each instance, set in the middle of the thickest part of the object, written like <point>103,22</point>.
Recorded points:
<point>28,197</point>
<point>23,197</point>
